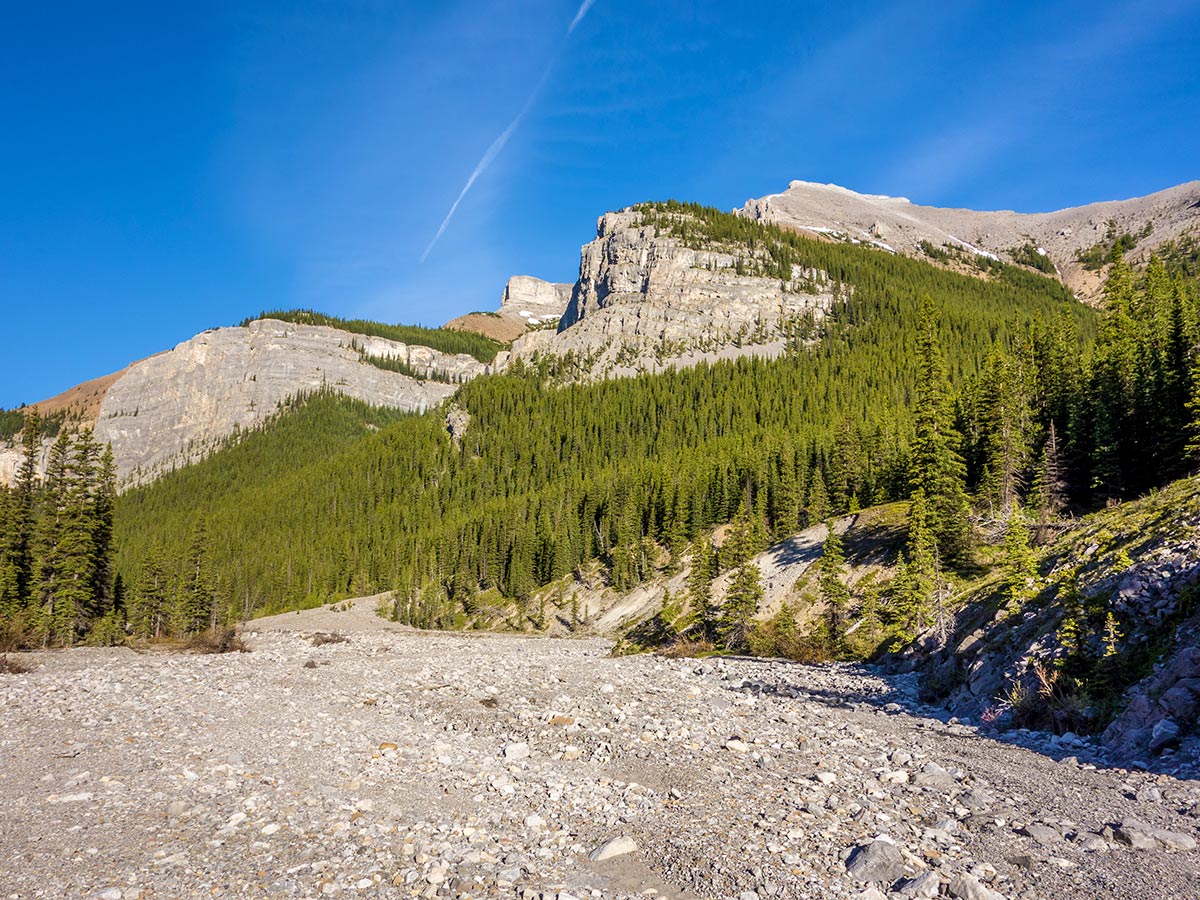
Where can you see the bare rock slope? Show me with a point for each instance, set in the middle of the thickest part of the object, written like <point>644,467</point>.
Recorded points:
<point>645,300</point>
<point>897,224</point>
<point>527,304</point>
<point>172,408</point>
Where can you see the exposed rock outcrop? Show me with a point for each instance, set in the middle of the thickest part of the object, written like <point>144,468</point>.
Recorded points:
<point>172,408</point>
<point>645,300</point>
<point>527,304</point>
<point>1139,562</point>
<point>896,224</point>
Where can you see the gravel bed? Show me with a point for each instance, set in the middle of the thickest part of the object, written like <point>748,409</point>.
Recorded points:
<point>402,764</point>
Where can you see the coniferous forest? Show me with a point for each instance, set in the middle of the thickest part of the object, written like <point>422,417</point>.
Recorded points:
<point>57,579</point>
<point>981,400</point>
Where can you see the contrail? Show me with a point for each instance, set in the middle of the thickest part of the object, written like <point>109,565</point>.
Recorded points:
<point>583,8</point>
<point>493,151</point>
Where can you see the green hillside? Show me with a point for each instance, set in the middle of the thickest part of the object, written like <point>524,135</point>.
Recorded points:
<point>550,477</point>
<point>995,403</point>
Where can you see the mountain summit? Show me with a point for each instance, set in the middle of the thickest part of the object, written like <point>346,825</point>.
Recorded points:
<point>1074,241</point>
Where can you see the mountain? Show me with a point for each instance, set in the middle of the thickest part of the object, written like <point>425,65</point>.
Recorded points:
<point>1075,241</point>
<point>177,406</point>
<point>947,412</point>
<point>661,285</point>
<point>548,468</point>
<point>527,304</point>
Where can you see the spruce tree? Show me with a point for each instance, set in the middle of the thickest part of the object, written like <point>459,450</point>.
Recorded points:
<point>699,586</point>
<point>831,574</point>
<point>195,596</point>
<point>937,469</point>
<point>1020,564</point>
<point>918,577</point>
<point>1193,408</point>
<point>150,603</point>
<point>1049,492</point>
<point>73,606</point>
<point>17,592</point>
<point>740,606</point>
<point>50,620</point>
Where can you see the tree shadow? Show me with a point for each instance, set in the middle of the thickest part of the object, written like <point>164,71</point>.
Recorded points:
<point>899,695</point>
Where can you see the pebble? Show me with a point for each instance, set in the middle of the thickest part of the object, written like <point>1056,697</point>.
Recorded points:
<point>729,778</point>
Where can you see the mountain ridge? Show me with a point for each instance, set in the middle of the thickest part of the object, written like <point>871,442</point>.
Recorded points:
<point>898,224</point>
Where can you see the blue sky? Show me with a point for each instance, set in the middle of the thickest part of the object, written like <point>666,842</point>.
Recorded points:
<point>165,168</point>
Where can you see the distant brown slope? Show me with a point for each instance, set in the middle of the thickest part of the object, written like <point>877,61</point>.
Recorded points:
<point>527,303</point>
<point>497,327</point>
<point>81,402</point>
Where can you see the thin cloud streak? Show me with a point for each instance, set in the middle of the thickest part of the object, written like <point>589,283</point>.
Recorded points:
<point>493,151</point>
<point>583,9</point>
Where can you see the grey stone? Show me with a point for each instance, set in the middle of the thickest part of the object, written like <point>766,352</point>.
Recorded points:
<point>1043,834</point>
<point>1136,835</point>
<point>1164,734</point>
<point>968,887</point>
<point>879,860</point>
<point>977,800</point>
<point>924,886</point>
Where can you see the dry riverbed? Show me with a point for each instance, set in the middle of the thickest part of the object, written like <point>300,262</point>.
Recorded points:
<point>404,764</point>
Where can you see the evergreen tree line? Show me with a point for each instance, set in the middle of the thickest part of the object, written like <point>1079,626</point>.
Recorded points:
<point>1044,428</point>
<point>1038,432</point>
<point>57,580</point>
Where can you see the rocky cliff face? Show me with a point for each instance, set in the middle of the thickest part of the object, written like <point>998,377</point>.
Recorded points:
<point>171,409</point>
<point>645,300</point>
<point>894,223</point>
<point>527,304</point>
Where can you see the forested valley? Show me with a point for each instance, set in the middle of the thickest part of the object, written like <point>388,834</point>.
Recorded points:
<point>994,404</point>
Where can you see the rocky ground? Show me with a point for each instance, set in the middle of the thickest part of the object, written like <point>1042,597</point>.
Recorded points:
<point>399,764</point>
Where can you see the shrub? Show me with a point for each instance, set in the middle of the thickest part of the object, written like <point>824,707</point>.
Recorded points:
<point>217,640</point>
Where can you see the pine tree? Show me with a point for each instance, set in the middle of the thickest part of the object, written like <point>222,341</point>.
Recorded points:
<point>740,606</point>
<point>831,574</point>
<point>743,539</point>
<point>76,551</point>
<point>699,586</point>
<point>195,597</point>
<point>1005,428</point>
<point>18,528</point>
<point>1112,636</point>
<point>1049,484</point>
<point>104,499</point>
<point>150,605</point>
<point>817,508</point>
<point>917,580</point>
<point>1072,634</point>
<point>937,469</point>
<point>1193,408</point>
<point>1020,565</point>
<point>51,621</point>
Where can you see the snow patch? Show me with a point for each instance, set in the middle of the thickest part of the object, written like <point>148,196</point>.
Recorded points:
<point>974,249</point>
<point>837,188</point>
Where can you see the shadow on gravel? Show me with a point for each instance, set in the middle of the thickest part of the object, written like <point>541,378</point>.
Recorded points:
<point>787,680</point>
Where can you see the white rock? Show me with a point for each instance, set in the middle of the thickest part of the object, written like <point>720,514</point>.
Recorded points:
<point>516,750</point>
<point>618,846</point>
